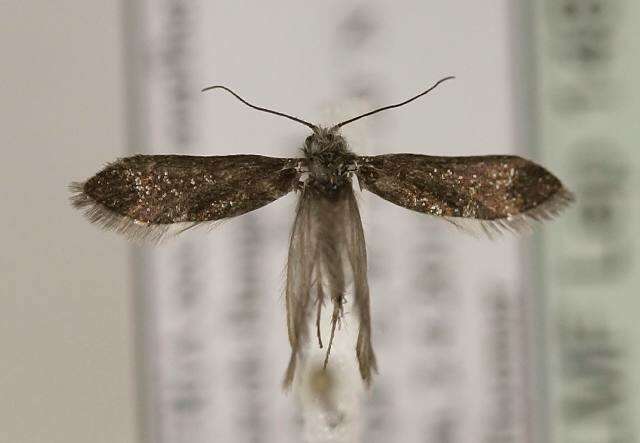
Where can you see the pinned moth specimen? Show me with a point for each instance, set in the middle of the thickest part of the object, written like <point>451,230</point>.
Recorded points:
<point>147,196</point>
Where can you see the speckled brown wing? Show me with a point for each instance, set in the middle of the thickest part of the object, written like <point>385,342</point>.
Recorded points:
<point>144,195</point>
<point>501,191</point>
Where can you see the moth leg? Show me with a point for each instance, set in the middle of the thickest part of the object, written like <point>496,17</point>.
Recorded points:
<point>320,302</point>
<point>298,186</point>
<point>335,317</point>
<point>291,370</point>
<point>301,168</point>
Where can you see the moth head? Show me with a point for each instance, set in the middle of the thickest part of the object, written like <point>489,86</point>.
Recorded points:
<point>324,140</point>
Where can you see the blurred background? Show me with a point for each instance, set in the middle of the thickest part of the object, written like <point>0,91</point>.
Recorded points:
<point>531,339</point>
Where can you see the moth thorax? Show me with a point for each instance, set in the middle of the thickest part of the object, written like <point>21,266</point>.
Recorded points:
<point>327,179</point>
<point>328,160</point>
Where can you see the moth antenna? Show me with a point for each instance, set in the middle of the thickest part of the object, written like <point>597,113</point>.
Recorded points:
<point>270,111</point>
<point>397,105</point>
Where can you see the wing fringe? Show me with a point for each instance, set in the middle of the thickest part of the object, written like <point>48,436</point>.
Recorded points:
<point>134,230</point>
<point>516,224</point>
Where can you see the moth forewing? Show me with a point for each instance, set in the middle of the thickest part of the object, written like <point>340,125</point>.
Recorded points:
<point>145,196</point>
<point>499,192</point>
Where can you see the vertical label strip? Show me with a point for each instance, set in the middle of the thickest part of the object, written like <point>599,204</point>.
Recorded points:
<point>588,103</point>
<point>445,305</point>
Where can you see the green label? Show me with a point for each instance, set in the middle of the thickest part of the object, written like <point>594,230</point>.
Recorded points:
<point>588,103</point>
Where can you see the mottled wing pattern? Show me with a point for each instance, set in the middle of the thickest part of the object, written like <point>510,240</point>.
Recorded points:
<point>501,191</point>
<point>144,195</point>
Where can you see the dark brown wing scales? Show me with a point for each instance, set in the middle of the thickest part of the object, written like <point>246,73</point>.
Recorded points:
<point>502,189</point>
<point>155,191</point>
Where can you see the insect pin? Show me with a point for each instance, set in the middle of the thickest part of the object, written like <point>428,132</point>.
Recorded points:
<point>148,196</point>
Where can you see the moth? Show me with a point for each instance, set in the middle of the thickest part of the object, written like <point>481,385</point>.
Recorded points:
<point>147,196</point>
